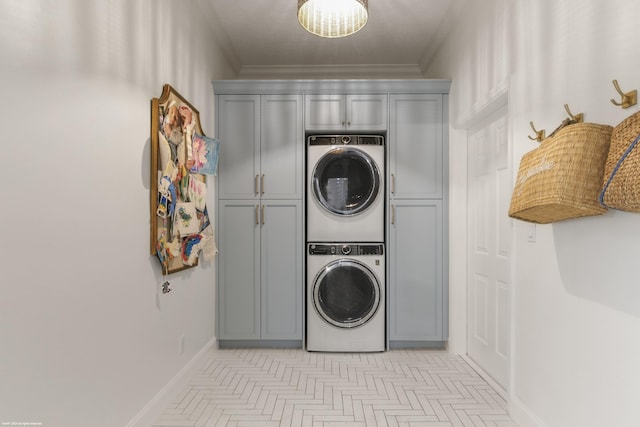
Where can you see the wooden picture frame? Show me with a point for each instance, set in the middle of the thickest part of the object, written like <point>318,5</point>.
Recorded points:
<point>173,122</point>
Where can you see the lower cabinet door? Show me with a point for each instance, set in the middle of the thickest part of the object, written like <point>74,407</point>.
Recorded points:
<point>281,270</point>
<point>416,281</point>
<point>239,270</point>
<point>260,280</point>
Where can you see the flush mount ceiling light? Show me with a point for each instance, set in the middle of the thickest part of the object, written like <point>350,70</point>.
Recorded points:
<point>332,18</point>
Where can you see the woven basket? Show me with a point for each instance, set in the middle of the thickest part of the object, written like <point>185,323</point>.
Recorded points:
<point>562,178</point>
<point>621,181</point>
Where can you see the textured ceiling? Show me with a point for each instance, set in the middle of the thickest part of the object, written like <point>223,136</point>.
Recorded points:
<point>266,33</point>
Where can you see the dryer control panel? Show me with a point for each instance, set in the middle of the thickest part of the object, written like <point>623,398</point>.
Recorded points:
<point>346,249</point>
<point>346,140</point>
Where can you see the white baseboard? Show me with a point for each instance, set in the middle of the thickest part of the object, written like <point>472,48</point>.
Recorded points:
<point>163,398</point>
<point>522,415</point>
<point>518,411</point>
<point>485,376</point>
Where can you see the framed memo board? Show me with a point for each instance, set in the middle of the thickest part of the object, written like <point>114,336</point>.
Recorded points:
<point>180,230</point>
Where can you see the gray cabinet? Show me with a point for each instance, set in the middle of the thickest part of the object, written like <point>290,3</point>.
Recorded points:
<point>261,127</point>
<point>238,270</point>
<point>281,279</point>
<point>260,272</point>
<point>418,293</point>
<point>281,147</point>
<point>416,144</point>
<point>259,222</point>
<point>346,112</point>
<point>260,146</point>
<point>238,129</point>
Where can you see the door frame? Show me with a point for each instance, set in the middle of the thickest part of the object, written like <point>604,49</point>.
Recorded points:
<point>460,240</point>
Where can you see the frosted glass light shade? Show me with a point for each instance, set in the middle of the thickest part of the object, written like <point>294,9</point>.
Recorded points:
<point>332,18</point>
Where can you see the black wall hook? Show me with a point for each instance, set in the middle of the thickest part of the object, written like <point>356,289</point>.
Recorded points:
<point>165,287</point>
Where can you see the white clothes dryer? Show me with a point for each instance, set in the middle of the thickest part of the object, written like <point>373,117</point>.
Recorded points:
<point>345,188</point>
<point>345,297</point>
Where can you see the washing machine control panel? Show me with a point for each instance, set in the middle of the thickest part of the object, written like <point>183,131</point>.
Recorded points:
<point>346,249</point>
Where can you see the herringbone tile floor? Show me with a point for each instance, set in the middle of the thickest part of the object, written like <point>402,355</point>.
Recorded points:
<point>292,387</point>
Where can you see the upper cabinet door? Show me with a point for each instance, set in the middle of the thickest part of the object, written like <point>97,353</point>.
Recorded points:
<point>324,112</point>
<point>281,147</point>
<point>367,112</point>
<point>346,112</point>
<point>416,146</point>
<point>238,129</point>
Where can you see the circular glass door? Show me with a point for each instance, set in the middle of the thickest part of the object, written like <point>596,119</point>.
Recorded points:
<point>345,181</point>
<point>346,293</point>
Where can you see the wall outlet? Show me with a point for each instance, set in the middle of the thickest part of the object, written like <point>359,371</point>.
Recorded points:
<point>181,344</point>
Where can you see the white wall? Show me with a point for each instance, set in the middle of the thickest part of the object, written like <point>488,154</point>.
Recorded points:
<point>576,305</point>
<point>86,336</point>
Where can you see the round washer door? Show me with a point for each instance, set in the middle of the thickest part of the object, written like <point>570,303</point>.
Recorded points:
<point>346,293</point>
<point>345,181</point>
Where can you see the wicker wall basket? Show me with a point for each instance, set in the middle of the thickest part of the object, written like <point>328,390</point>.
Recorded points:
<point>562,178</point>
<point>621,181</point>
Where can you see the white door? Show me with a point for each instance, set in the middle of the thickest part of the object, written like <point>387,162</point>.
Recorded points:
<point>489,245</point>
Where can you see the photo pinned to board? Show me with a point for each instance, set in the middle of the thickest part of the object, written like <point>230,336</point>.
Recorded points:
<point>205,154</point>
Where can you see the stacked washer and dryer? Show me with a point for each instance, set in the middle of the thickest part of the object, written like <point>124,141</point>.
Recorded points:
<point>345,289</point>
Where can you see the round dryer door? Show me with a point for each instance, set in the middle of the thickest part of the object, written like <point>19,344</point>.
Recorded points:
<point>346,293</point>
<point>345,181</point>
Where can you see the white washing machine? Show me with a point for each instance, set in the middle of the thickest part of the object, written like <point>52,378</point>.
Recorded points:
<point>345,188</point>
<point>345,297</point>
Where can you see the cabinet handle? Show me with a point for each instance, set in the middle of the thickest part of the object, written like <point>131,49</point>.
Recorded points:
<point>393,215</point>
<point>343,123</point>
<point>262,215</point>
<point>257,215</point>
<point>262,185</point>
<point>348,124</point>
<point>255,185</point>
<point>393,184</point>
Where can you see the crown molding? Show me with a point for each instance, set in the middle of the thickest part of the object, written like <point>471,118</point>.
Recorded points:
<point>329,86</point>
<point>356,71</point>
